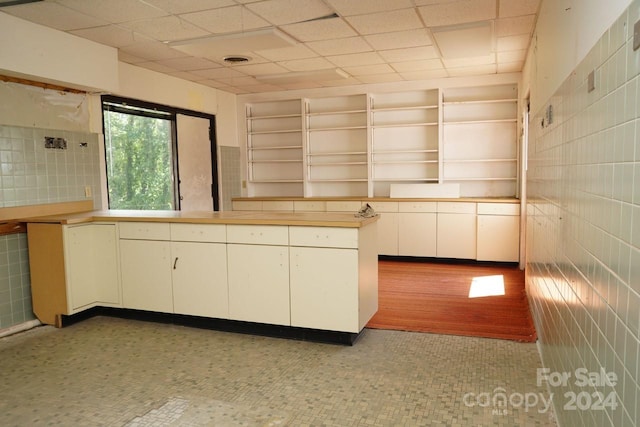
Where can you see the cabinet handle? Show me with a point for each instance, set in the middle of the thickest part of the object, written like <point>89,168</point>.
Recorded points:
<point>175,262</point>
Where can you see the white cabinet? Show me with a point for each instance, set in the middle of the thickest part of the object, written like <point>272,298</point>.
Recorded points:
<point>480,140</point>
<point>199,270</point>
<point>404,138</point>
<point>417,229</point>
<point>91,260</point>
<point>259,283</point>
<point>456,230</point>
<point>258,273</point>
<point>498,232</point>
<point>324,291</point>
<point>333,277</point>
<point>146,275</point>
<point>275,147</point>
<point>387,227</point>
<point>174,268</point>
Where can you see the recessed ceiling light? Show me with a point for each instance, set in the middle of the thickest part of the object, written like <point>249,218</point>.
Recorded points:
<point>236,59</point>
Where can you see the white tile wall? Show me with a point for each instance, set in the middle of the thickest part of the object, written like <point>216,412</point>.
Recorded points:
<point>583,265</point>
<point>31,174</point>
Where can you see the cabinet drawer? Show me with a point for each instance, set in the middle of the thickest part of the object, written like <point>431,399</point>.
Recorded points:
<point>418,206</point>
<point>258,234</point>
<point>247,205</point>
<point>344,206</point>
<point>324,237</point>
<point>199,233</point>
<point>457,207</point>
<point>309,206</point>
<point>279,205</point>
<point>144,230</point>
<point>384,206</point>
<point>498,209</point>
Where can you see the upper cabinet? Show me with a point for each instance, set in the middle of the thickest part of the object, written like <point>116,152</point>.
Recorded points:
<point>337,146</point>
<point>480,140</point>
<point>361,145</point>
<point>275,147</point>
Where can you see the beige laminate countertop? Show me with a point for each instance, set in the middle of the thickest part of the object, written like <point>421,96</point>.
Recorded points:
<point>381,199</point>
<point>197,217</point>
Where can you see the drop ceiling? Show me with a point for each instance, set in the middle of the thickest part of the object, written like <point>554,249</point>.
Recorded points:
<point>319,43</point>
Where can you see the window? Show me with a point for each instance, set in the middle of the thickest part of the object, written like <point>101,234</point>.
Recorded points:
<point>141,148</point>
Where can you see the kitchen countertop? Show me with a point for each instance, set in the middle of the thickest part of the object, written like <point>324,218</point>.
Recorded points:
<point>348,220</point>
<point>383,199</point>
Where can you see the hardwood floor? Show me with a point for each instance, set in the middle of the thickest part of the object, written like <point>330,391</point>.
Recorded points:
<point>429,296</point>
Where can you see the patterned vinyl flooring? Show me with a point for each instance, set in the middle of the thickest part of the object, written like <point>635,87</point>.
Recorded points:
<point>108,371</point>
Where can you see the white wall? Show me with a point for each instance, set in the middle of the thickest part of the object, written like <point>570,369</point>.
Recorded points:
<point>39,53</point>
<point>565,32</point>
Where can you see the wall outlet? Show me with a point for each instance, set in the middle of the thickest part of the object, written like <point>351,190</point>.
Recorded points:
<point>87,191</point>
<point>244,184</point>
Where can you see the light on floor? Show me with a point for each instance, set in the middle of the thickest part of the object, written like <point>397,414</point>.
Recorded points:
<point>486,286</point>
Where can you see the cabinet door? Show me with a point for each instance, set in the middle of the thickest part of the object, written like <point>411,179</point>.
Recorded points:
<point>324,288</point>
<point>92,265</point>
<point>200,279</point>
<point>417,234</point>
<point>146,275</point>
<point>259,283</point>
<point>456,236</point>
<point>388,233</point>
<point>498,238</point>
<point>80,266</point>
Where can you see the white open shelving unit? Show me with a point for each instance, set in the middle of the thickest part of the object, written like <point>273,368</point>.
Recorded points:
<point>359,145</point>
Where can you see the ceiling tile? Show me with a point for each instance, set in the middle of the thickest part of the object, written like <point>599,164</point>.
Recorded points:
<point>154,66</point>
<point>240,81</point>
<point>280,12</point>
<point>386,22</point>
<point>342,82</point>
<point>381,78</point>
<point>425,74</point>
<point>189,63</point>
<point>366,58</point>
<point>400,39</point>
<point>477,70</point>
<point>459,12</point>
<point>307,64</point>
<point>185,75</point>
<point>111,35</point>
<point>153,51</point>
<point>510,67</point>
<point>514,26</point>
<point>364,70</point>
<point>510,8</point>
<point>360,7</point>
<point>129,58</point>
<point>54,15</point>
<point>413,53</point>
<point>218,73</point>
<point>115,11</point>
<point>340,47</point>
<point>429,2</point>
<point>213,83</point>
<point>226,20</point>
<point>325,29</point>
<point>512,56</point>
<point>425,64</point>
<point>167,28</point>
<point>469,62</point>
<point>261,87</point>
<point>299,51</point>
<point>513,42</point>
<point>186,6</point>
<point>261,69</point>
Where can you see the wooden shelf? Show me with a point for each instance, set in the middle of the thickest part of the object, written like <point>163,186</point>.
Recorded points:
<point>475,122</point>
<point>263,132</point>
<point>479,160</point>
<point>337,128</point>
<point>405,180</point>
<point>400,162</point>
<point>276,181</point>
<point>485,101</point>
<point>408,107</point>
<point>480,179</point>
<point>405,125</point>
<point>276,161</point>
<point>275,116</point>
<point>281,147</point>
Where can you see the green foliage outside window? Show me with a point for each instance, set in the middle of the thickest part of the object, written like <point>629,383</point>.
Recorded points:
<point>139,162</point>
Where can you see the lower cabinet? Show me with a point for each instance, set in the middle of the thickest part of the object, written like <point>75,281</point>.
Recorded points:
<point>73,268</point>
<point>417,234</point>
<point>186,276</point>
<point>259,283</point>
<point>456,230</point>
<point>498,232</point>
<point>146,275</point>
<point>199,274</point>
<point>91,260</point>
<point>324,291</point>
